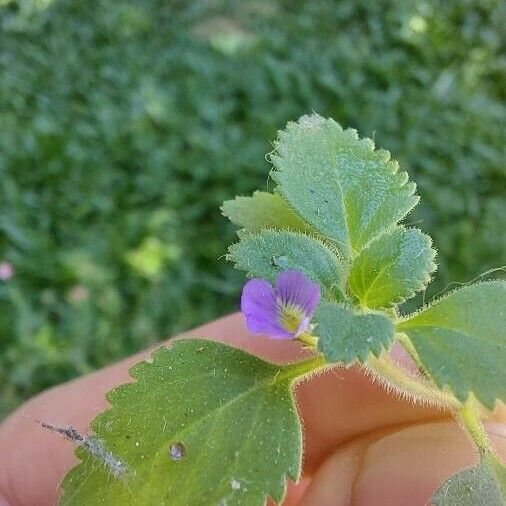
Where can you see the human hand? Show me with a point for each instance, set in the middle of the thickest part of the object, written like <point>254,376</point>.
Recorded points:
<point>363,445</point>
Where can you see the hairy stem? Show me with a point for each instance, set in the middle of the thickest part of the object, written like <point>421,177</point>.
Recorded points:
<point>468,415</point>
<point>397,377</point>
<point>298,369</point>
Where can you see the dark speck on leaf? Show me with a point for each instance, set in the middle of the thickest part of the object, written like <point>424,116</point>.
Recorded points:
<point>176,451</point>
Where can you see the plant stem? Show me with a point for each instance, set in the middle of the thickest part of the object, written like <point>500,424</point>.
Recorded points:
<point>470,420</point>
<point>403,382</point>
<point>396,376</point>
<point>307,366</point>
<point>308,340</point>
<point>392,373</point>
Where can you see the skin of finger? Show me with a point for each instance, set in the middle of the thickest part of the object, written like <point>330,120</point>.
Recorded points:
<point>399,468</point>
<point>347,405</point>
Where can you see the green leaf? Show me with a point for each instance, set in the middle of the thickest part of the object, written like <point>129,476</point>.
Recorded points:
<point>203,424</point>
<point>269,252</point>
<point>262,210</point>
<point>346,336</point>
<point>392,268</point>
<point>461,340</point>
<point>340,184</point>
<point>483,485</point>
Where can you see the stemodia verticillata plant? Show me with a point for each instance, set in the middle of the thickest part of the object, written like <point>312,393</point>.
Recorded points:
<point>206,424</point>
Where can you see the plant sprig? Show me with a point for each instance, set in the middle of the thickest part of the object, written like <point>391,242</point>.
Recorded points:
<point>330,263</point>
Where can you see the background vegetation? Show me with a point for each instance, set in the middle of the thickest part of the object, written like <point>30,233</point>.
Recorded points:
<point>125,124</point>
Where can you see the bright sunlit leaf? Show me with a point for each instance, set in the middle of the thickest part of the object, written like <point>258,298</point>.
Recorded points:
<point>262,210</point>
<point>340,184</point>
<point>392,268</point>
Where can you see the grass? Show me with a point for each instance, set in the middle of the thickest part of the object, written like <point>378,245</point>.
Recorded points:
<point>126,124</point>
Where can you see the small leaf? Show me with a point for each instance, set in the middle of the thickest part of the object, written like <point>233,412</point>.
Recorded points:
<point>269,252</point>
<point>461,340</point>
<point>345,336</point>
<point>392,268</point>
<point>483,485</point>
<point>262,210</point>
<point>340,184</point>
<point>203,424</point>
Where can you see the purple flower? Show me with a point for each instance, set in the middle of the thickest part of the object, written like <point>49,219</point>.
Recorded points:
<point>283,311</point>
<point>6,271</point>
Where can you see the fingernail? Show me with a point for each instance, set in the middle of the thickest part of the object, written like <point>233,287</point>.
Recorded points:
<point>4,501</point>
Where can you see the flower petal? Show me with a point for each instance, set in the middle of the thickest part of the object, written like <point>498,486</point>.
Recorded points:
<point>259,306</point>
<point>295,288</point>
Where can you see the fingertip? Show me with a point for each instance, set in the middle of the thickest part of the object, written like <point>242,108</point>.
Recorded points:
<point>400,467</point>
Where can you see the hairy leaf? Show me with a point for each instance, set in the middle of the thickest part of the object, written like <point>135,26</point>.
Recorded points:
<point>262,210</point>
<point>483,485</point>
<point>267,253</point>
<point>461,340</point>
<point>345,336</point>
<point>392,268</point>
<point>203,424</point>
<point>340,184</point>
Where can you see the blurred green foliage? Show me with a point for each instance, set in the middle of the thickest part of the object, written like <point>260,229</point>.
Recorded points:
<point>125,124</point>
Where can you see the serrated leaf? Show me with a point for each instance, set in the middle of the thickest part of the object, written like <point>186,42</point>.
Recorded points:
<point>339,184</point>
<point>262,210</point>
<point>483,485</point>
<point>392,268</point>
<point>267,253</point>
<point>461,340</point>
<point>230,416</point>
<point>346,336</point>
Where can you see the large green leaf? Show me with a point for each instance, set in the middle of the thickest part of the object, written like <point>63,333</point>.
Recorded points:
<point>202,424</point>
<point>461,340</point>
<point>346,336</point>
<point>262,210</point>
<point>392,268</point>
<point>483,485</point>
<point>267,253</point>
<point>338,183</point>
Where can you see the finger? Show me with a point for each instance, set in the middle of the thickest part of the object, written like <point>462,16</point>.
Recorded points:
<point>33,461</point>
<point>336,407</point>
<point>397,468</point>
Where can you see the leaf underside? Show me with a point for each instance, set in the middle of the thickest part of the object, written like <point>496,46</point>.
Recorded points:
<point>346,336</point>
<point>271,251</point>
<point>338,183</point>
<point>461,340</point>
<point>232,415</point>
<point>483,485</point>
<point>392,268</point>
